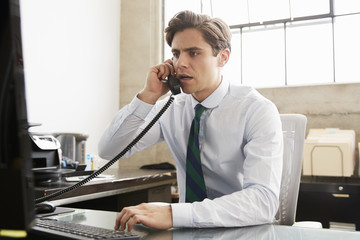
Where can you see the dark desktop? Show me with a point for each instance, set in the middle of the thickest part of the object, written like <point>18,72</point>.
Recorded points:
<point>16,177</point>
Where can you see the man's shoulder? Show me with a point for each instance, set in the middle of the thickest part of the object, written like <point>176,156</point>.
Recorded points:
<point>239,91</point>
<point>248,96</point>
<point>242,92</point>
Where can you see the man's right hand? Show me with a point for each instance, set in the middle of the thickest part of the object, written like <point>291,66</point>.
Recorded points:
<point>154,87</point>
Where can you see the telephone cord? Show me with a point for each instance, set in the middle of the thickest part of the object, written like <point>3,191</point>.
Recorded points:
<point>111,162</point>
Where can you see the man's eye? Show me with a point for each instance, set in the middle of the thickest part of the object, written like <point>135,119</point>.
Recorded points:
<point>175,55</point>
<point>194,53</point>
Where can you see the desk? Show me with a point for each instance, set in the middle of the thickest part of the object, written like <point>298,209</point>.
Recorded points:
<point>128,187</point>
<point>106,219</point>
<point>329,199</point>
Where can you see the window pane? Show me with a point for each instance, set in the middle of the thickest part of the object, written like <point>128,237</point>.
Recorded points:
<point>231,11</point>
<point>301,8</point>
<point>172,7</point>
<point>232,70</point>
<point>347,48</point>
<point>309,53</point>
<point>263,56</point>
<point>265,10</point>
<point>346,6</point>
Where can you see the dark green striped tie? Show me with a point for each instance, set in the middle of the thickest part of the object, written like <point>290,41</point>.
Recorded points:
<point>195,184</point>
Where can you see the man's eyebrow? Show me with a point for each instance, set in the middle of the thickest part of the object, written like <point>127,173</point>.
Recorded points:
<point>187,49</point>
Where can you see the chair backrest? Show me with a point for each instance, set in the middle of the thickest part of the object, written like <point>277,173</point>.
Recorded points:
<point>294,126</point>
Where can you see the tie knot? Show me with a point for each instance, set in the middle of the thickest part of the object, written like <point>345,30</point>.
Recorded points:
<point>199,109</point>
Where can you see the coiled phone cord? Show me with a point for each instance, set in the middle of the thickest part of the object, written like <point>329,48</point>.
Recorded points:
<point>111,162</point>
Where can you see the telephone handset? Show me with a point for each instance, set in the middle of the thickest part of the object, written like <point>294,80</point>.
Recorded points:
<point>174,84</point>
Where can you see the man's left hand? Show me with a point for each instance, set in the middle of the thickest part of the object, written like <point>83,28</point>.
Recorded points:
<point>150,215</point>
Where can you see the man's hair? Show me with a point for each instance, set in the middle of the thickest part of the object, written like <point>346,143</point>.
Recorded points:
<point>214,30</point>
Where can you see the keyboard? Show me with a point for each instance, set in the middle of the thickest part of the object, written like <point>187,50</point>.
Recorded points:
<point>71,230</point>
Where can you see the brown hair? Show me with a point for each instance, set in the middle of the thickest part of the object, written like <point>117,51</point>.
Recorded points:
<point>215,31</point>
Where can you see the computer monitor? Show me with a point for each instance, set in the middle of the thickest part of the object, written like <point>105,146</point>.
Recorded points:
<point>16,179</point>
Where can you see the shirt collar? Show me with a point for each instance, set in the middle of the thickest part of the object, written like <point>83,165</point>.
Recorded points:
<point>214,99</point>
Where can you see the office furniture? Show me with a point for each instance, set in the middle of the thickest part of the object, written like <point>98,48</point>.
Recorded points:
<point>294,126</point>
<point>106,219</point>
<point>329,152</point>
<point>329,200</point>
<point>127,187</point>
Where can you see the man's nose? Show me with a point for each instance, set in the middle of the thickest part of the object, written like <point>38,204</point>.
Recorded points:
<point>182,61</point>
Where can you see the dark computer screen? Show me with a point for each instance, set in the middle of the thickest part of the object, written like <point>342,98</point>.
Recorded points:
<point>16,179</point>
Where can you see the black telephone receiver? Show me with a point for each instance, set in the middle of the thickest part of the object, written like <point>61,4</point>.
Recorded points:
<point>174,84</point>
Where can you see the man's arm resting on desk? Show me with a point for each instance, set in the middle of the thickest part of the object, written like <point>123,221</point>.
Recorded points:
<point>252,206</point>
<point>233,210</point>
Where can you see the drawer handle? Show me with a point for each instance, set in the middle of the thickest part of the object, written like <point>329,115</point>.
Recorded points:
<point>341,195</point>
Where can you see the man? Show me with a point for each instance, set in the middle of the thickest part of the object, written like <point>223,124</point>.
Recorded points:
<point>240,137</point>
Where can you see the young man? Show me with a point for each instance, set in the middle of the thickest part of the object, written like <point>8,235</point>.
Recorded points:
<point>239,140</point>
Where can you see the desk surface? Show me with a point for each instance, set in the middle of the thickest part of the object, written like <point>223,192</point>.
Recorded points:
<point>125,180</point>
<point>106,219</point>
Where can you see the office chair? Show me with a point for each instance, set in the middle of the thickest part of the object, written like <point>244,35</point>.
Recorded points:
<point>294,126</point>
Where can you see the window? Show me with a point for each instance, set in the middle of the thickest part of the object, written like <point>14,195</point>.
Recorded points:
<point>232,70</point>
<point>309,60</point>
<point>285,42</point>
<point>347,48</point>
<point>263,54</point>
<point>304,8</point>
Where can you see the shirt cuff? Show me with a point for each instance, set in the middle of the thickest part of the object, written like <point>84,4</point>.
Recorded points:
<point>139,108</point>
<point>182,215</point>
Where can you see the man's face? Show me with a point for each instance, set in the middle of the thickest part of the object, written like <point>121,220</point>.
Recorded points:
<point>194,63</point>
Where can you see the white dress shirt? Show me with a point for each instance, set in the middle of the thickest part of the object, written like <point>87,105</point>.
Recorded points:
<point>241,146</point>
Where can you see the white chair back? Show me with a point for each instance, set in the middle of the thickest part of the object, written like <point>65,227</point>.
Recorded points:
<point>294,126</point>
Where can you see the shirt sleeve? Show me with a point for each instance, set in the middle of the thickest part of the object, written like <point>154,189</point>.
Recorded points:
<point>127,123</point>
<point>258,201</point>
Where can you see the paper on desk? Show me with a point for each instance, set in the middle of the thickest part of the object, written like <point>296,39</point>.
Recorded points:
<point>101,177</point>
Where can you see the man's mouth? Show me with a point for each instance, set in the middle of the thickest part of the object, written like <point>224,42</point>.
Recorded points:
<point>183,77</point>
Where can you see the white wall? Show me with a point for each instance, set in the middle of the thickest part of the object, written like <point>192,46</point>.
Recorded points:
<point>72,65</point>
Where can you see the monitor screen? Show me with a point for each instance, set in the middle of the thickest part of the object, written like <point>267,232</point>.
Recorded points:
<point>16,179</point>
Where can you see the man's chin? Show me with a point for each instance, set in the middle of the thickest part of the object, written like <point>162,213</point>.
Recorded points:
<point>186,90</point>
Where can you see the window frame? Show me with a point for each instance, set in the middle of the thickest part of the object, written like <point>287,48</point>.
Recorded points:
<point>307,20</point>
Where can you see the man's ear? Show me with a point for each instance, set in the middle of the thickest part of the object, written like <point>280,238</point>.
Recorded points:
<point>223,57</point>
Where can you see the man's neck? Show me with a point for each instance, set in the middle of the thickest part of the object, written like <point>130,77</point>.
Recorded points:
<point>201,96</point>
